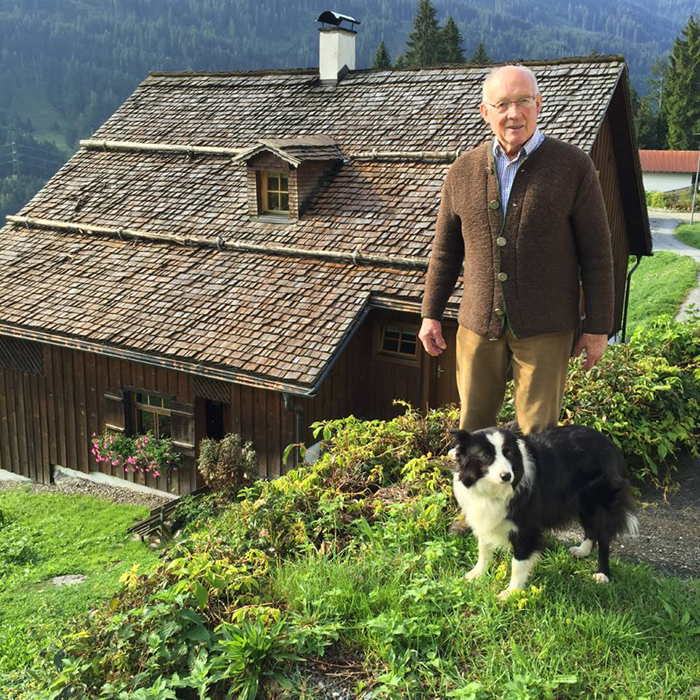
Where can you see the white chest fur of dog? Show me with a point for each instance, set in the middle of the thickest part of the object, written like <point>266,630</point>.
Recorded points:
<point>485,507</point>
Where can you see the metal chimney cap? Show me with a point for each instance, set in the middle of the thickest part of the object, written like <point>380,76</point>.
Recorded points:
<point>335,18</point>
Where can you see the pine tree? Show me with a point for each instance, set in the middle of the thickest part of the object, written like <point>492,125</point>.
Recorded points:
<point>381,57</point>
<point>682,101</point>
<point>649,125</point>
<point>425,41</point>
<point>480,57</point>
<point>451,43</point>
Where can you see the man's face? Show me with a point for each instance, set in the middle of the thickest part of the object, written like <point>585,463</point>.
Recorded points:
<point>517,124</point>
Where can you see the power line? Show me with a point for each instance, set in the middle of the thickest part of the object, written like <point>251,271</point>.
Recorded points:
<point>35,148</point>
<point>43,151</point>
<point>24,157</point>
<point>48,156</point>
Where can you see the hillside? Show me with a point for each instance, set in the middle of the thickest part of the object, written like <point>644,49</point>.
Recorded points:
<point>65,65</point>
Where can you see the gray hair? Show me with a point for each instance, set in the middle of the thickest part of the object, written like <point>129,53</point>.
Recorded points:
<point>497,69</point>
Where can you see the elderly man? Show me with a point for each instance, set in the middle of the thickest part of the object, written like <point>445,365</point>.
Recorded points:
<point>525,214</point>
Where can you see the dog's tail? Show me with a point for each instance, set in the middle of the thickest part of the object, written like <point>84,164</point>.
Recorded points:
<point>622,513</point>
<point>631,525</point>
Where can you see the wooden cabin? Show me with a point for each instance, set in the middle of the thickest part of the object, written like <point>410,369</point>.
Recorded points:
<point>245,252</point>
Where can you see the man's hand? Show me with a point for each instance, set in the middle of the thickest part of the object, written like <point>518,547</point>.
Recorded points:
<point>430,335</point>
<point>594,346</point>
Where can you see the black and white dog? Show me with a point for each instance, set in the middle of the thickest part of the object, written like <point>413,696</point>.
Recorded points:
<point>512,488</point>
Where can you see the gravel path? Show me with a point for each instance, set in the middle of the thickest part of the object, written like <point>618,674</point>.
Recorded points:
<point>84,487</point>
<point>669,522</point>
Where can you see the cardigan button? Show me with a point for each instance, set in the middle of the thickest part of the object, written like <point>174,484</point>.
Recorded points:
<point>501,241</point>
<point>498,312</point>
<point>502,276</point>
<point>494,204</point>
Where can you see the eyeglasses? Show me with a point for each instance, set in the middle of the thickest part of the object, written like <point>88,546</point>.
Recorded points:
<point>504,105</point>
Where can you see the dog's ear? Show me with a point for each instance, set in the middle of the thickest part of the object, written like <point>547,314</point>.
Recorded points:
<point>459,437</point>
<point>513,426</point>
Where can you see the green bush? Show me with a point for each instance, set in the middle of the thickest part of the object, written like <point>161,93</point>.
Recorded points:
<point>645,395</point>
<point>677,200</point>
<point>227,465</point>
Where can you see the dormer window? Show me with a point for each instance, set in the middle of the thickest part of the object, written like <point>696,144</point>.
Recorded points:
<point>283,175</point>
<point>274,194</point>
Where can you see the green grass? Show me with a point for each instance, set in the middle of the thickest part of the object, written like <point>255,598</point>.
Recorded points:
<point>45,535</point>
<point>690,235</point>
<point>409,612</point>
<point>659,286</point>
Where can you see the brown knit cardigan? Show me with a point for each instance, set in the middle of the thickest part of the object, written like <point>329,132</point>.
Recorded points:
<point>526,271</point>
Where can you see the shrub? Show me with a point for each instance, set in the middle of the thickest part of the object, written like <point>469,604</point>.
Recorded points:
<point>645,395</point>
<point>228,464</point>
<point>678,200</point>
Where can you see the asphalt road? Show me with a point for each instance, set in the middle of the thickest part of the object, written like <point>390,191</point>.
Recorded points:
<point>663,224</point>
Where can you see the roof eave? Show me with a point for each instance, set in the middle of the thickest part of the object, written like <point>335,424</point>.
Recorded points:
<point>629,168</point>
<point>201,369</point>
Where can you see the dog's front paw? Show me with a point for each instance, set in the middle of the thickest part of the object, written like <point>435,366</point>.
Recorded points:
<point>474,573</point>
<point>507,593</point>
<point>600,578</point>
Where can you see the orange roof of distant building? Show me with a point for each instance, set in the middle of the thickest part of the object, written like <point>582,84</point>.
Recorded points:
<point>668,161</point>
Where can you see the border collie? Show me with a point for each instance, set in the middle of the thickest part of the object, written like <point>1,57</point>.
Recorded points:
<point>512,488</point>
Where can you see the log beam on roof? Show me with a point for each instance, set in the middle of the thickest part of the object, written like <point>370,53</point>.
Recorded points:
<point>354,258</point>
<point>97,144</point>
<point>373,155</point>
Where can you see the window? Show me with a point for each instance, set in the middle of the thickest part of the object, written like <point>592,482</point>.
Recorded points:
<point>153,413</point>
<point>397,341</point>
<point>274,192</point>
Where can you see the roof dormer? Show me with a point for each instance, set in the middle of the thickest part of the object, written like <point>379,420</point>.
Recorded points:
<point>284,174</point>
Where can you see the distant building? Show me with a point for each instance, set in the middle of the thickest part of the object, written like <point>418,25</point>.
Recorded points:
<point>663,171</point>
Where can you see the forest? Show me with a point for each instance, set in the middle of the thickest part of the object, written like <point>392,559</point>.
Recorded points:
<point>66,65</point>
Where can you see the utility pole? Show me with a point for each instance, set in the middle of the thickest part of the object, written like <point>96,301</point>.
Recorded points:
<point>695,187</point>
<point>695,190</point>
<point>15,159</point>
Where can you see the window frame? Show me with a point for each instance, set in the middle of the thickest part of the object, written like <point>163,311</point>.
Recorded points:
<point>263,192</point>
<point>157,410</point>
<point>395,356</point>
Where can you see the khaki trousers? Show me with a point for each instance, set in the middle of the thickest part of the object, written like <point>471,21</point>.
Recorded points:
<point>539,367</point>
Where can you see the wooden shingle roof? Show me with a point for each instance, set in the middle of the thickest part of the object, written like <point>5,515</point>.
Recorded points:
<point>295,151</point>
<point>273,313</point>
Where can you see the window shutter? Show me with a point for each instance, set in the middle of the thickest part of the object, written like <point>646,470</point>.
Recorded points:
<point>182,417</point>
<point>115,410</point>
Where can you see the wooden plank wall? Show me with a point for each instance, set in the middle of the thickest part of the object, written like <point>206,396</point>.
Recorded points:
<point>259,416</point>
<point>603,155</point>
<point>49,420</point>
<point>24,426</point>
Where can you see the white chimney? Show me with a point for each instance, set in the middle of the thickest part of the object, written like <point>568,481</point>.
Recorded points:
<point>336,46</point>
